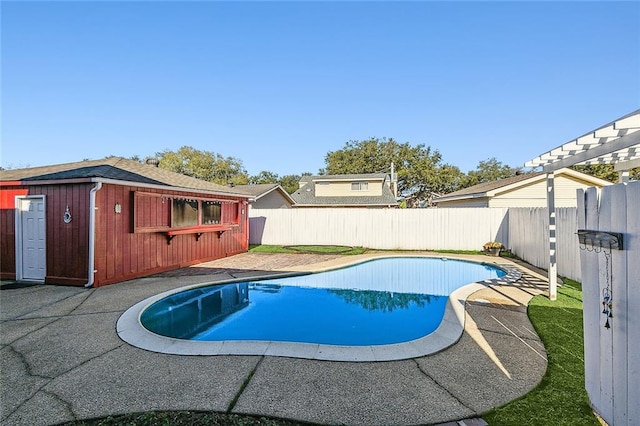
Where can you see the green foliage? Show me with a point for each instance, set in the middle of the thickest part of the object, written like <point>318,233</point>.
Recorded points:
<point>306,249</point>
<point>185,418</point>
<point>602,171</point>
<point>290,183</point>
<point>606,172</point>
<point>561,398</point>
<point>488,171</point>
<point>263,177</point>
<point>419,169</point>
<point>204,165</point>
<point>382,300</point>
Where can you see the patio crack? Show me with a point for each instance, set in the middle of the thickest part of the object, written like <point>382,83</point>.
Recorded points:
<point>68,407</point>
<point>30,373</point>
<point>244,385</point>
<point>26,365</point>
<point>23,315</point>
<point>428,376</point>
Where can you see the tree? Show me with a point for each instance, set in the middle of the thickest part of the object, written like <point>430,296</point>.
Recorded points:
<point>488,171</point>
<point>419,169</point>
<point>290,183</point>
<point>264,177</point>
<point>204,165</point>
<point>606,172</point>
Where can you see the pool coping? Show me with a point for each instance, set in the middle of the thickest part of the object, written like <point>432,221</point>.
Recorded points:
<point>130,329</point>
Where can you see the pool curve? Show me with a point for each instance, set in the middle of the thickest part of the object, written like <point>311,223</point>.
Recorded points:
<point>130,329</point>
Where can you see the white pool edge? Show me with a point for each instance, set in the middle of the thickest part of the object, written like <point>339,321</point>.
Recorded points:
<point>130,329</point>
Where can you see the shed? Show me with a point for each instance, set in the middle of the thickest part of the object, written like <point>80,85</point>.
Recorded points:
<point>266,196</point>
<point>524,190</point>
<point>99,222</point>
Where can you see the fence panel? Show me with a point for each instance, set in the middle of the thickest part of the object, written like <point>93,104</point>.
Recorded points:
<point>612,354</point>
<point>529,238</point>
<point>389,229</point>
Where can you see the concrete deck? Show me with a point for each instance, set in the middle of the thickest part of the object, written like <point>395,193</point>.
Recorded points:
<point>61,359</point>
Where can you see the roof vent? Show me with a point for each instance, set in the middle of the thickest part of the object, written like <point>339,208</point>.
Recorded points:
<point>152,161</point>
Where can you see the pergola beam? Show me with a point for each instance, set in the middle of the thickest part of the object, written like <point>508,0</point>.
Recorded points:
<point>626,141</point>
<point>615,143</point>
<point>626,165</point>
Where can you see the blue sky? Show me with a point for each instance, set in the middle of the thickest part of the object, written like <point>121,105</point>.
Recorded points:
<point>279,84</point>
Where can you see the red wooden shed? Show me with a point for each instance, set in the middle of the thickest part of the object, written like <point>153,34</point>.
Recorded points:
<point>99,222</point>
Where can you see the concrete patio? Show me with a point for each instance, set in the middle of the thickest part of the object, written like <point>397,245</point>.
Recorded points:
<point>62,360</point>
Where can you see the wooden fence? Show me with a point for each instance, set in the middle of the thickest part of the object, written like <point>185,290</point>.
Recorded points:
<point>389,229</point>
<point>529,238</point>
<point>612,355</point>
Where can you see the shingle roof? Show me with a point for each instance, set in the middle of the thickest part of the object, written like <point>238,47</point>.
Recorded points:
<point>255,190</point>
<point>486,189</point>
<point>113,168</point>
<point>491,186</point>
<point>355,176</point>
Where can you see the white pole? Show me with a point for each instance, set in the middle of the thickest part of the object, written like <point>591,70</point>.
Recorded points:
<point>394,185</point>
<point>551,204</point>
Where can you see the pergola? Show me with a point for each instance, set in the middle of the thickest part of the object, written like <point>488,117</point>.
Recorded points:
<point>617,143</point>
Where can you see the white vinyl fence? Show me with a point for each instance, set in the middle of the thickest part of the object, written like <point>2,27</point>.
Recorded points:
<point>523,230</point>
<point>390,229</point>
<point>612,355</point>
<point>529,238</point>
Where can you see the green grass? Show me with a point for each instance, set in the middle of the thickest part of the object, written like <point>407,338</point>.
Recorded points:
<point>183,418</point>
<point>345,250</point>
<point>459,251</point>
<point>561,398</point>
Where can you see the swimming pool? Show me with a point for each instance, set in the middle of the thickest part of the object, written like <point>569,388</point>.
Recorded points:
<point>386,308</point>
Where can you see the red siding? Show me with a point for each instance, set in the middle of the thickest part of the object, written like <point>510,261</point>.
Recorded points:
<point>123,254</point>
<point>8,230</point>
<point>67,244</point>
<point>123,248</point>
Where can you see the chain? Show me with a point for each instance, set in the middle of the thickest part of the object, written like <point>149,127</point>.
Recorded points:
<point>607,300</point>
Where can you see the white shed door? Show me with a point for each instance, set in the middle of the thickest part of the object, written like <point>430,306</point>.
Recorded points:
<point>32,226</point>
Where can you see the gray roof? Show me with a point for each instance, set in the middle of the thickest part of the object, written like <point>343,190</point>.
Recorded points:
<point>115,168</point>
<point>259,190</point>
<point>256,190</point>
<point>483,188</point>
<point>307,196</point>
<point>358,176</point>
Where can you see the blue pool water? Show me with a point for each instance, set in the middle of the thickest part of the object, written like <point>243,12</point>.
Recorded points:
<point>383,301</point>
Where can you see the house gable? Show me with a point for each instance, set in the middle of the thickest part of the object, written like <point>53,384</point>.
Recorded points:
<point>527,190</point>
<point>364,190</point>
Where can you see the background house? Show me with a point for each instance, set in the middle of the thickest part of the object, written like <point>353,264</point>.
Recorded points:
<point>105,221</point>
<point>349,190</point>
<point>524,190</point>
<point>266,196</point>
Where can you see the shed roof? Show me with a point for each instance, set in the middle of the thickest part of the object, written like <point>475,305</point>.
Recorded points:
<point>113,168</point>
<point>488,189</point>
<point>258,191</point>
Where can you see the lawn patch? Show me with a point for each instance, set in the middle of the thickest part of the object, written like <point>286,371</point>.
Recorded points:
<point>560,398</point>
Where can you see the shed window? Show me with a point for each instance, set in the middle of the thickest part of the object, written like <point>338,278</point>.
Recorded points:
<point>185,212</point>
<point>211,213</point>
<point>359,186</point>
